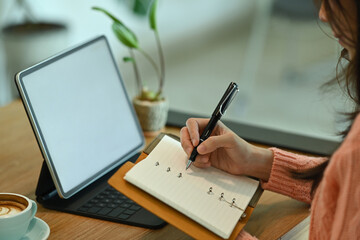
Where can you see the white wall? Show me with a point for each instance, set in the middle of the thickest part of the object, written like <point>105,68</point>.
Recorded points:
<point>279,61</point>
<point>182,25</point>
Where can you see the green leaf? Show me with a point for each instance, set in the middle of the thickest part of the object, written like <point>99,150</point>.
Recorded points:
<point>107,13</point>
<point>152,15</point>
<point>125,35</point>
<point>141,7</point>
<point>128,59</point>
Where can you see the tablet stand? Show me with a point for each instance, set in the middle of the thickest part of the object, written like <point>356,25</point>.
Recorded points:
<point>45,189</point>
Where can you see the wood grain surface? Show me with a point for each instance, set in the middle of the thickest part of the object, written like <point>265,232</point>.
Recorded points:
<point>20,161</point>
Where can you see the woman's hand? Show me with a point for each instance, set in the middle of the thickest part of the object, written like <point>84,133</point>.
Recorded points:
<point>225,150</point>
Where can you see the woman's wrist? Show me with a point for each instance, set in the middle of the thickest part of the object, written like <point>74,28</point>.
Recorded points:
<point>261,163</point>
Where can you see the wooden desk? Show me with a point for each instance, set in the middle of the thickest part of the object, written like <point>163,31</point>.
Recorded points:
<point>20,161</point>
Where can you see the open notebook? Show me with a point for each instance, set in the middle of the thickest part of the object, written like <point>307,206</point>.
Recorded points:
<point>211,197</point>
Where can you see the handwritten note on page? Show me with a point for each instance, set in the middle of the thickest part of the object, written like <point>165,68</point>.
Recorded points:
<point>211,197</point>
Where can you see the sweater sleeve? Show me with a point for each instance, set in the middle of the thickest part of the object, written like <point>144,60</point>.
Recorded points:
<point>280,180</point>
<point>336,210</point>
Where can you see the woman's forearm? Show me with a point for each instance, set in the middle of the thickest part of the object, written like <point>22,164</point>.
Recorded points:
<point>261,163</point>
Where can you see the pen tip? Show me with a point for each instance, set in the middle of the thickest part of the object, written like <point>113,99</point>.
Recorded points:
<point>188,164</point>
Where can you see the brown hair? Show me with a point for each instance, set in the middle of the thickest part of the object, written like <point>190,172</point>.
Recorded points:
<point>347,77</point>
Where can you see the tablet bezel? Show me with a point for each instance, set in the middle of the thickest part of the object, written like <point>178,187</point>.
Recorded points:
<point>37,130</point>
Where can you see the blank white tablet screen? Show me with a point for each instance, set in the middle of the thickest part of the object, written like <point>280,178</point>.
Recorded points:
<point>83,114</point>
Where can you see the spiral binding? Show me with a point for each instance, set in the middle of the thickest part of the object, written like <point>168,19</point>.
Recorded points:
<point>231,203</point>
<point>222,198</point>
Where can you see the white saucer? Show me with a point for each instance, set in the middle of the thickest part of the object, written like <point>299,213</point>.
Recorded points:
<point>38,229</point>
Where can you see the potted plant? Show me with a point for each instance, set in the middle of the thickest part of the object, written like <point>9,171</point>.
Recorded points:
<point>150,106</point>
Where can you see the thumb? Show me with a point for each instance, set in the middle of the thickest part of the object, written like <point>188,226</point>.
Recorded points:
<point>213,143</point>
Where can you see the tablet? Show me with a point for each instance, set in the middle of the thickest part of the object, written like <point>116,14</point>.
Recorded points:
<point>81,114</point>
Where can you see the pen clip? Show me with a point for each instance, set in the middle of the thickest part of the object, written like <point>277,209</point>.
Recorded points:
<point>228,98</point>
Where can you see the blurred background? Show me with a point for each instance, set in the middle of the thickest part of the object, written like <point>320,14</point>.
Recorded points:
<point>276,50</point>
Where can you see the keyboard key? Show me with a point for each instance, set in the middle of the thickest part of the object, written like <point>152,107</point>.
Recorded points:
<point>88,205</point>
<point>100,204</point>
<point>130,212</point>
<point>94,200</point>
<point>112,205</point>
<point>125,205</point>
<point>116,212</point>
<point>94,210</point>
<point>124,216</point>
<point>104,211</point>
<point>135,207</point>
<point>83,209</point>
<point>118,201</point>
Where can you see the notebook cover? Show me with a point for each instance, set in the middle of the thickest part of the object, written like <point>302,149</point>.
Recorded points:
<point>166,212</point>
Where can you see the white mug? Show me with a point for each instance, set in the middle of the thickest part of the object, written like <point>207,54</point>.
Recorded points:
<point>16,213</point>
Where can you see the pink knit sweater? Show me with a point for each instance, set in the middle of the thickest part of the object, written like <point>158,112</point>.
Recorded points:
<point>335,209</point>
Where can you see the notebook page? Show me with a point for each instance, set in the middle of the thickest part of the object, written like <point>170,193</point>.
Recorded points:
<point>189,193</point>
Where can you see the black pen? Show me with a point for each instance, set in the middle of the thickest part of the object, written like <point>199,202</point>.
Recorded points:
<point>217,114</point>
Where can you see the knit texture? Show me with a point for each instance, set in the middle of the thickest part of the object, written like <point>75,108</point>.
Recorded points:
<point>280,180</point>
<point>335,212</point>
<point>335,209</point>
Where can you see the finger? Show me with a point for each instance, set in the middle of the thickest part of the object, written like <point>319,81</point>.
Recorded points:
<point>186,141</point>
<point>202,165</point>
<point>203,158</point>
<point>215,142</point>
<point>195,126</point>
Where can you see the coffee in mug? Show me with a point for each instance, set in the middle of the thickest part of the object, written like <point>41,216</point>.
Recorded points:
<point>12,205</point>
<point>16,213</point>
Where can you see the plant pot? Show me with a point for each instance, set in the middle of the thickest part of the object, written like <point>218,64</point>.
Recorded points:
<point>152,115</point>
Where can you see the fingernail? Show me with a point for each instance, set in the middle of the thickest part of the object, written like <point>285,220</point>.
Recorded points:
<point>193,142</point>
<point>200,148</point>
